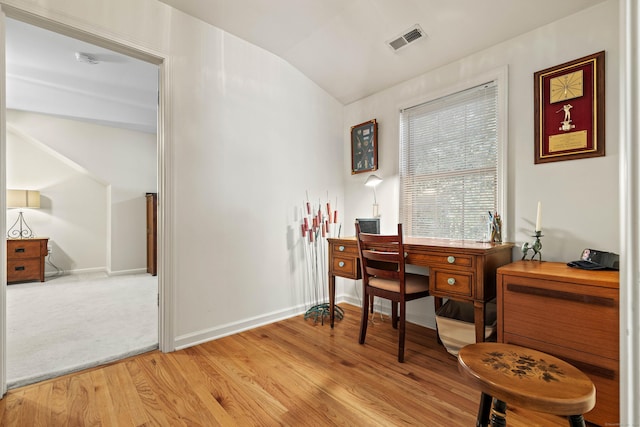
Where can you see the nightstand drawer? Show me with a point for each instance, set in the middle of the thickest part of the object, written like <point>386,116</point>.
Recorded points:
<point>24,269</point>
<point>23,249</point>
<point>451,283</point>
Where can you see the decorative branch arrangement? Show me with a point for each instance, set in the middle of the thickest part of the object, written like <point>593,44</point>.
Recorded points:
<point>318,223</point>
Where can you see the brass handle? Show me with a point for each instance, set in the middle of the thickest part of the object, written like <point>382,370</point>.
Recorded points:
<point>341,248</point>
<point>341,264</point>
<point>451,281</point>
<point>451,259</point>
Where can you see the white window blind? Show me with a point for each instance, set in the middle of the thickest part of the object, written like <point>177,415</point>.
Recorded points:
<point>449,164</point>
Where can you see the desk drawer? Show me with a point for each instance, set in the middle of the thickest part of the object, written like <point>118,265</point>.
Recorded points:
<point>345,267</point>
<point>23,249</point>
<point>23,269</point>
<point>440,260</point>
<point>451,283</point>
<point>349,250</point>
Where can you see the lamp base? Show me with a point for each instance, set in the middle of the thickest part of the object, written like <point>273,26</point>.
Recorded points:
<point>20,229</point>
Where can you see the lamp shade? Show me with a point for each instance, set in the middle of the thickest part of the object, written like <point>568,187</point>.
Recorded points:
<point>23,199</point>
<point>372,181</point>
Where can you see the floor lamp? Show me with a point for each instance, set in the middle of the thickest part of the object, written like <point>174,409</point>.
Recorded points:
<point>22,199</point>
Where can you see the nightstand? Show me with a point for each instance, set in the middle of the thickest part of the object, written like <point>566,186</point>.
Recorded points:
<point>25,259</point>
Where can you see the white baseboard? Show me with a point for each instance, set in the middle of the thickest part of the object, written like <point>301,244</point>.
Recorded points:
<point>205,335</point>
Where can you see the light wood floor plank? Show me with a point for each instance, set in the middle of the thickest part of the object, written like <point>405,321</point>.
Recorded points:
<point>291,373</point>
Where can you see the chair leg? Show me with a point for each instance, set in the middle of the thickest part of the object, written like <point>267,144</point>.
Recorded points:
<point>364,320</point>
<point>437,303</point>
<point>394,314</point>
<point>576,421</point>
<point>371,302</point>
<point>401,330</point>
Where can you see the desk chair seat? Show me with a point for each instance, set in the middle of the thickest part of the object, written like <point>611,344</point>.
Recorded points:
<point>527,378</point>
<point>382,262</point>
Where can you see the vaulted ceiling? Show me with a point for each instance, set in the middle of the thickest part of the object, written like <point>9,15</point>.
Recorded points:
<point>342,45</point>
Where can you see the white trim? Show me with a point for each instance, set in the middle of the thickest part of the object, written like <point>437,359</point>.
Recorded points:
<point>73,27</point>
<point>3,212</point>
<point>206,335</point>
<point>501,76</point>
<point>629,213</point>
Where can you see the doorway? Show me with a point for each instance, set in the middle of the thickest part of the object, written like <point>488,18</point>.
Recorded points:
<point>158,61</point>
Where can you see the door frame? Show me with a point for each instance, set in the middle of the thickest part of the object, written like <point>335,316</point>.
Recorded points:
<point>166,272</point>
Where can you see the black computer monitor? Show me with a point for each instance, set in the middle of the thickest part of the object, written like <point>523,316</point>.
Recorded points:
<point>369,225</point>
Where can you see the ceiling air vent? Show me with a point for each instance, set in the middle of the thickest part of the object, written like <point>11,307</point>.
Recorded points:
<point>409,36</point>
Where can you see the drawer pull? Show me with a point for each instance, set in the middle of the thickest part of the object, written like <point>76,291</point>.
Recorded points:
<point>341,264</point>
<point>451,259</point>
<point>451,281</point>
<point>341,248</point>
<point>20,268</point>
<point>19,249</point>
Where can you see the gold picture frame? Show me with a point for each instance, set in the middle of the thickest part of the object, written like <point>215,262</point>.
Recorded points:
<point>569,102</point>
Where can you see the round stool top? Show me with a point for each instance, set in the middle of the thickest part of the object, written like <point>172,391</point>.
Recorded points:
<point>527,378</point>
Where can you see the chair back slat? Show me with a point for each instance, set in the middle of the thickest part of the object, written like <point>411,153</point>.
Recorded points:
<point>381,256</point>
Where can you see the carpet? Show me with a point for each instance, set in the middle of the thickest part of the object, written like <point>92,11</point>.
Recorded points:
<point>70,323</point>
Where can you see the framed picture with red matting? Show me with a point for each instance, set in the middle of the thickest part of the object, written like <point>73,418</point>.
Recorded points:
<point>569,110</point>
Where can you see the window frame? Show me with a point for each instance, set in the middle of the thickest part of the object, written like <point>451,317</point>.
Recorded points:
<point>500,76</point>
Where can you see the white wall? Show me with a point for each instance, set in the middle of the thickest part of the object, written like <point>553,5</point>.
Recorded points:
<point>249,135</point>
<point>579,197</point>
<point>124,161</point>
<point>73,204</point>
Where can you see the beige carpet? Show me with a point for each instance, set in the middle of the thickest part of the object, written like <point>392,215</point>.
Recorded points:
<point>69,323</point>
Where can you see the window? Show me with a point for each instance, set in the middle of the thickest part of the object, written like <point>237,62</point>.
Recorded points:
<point>449,164</point>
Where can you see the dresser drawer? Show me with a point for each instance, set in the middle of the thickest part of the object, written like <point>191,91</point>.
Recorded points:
<point>562,314</point>
<point>601,370</point>
<point>451,283</point>
<point>24,269</point>
<point>23,249</point>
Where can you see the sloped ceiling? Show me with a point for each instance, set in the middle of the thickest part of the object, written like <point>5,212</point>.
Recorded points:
<point>339,44</point>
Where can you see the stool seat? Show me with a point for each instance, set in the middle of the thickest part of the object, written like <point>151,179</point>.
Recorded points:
<point>526,378</point>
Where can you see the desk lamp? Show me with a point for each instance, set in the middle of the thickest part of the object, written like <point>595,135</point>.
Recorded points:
<point>22,199</point>
<point>373,181</point>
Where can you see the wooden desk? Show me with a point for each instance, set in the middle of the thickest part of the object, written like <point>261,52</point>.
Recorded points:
<point>569,313</point>
<point>459,269</point>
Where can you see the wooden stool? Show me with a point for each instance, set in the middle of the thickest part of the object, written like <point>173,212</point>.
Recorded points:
<point>526,378</point>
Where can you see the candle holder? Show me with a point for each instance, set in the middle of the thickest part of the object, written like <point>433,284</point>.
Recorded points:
<point>536,247</point>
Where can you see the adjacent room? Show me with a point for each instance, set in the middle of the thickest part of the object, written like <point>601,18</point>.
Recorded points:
<point>81,159</point>
<point>495,138</point>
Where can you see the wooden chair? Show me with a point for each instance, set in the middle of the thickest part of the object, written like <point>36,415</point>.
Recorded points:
<point>383,275</point>
<point>530,379</point>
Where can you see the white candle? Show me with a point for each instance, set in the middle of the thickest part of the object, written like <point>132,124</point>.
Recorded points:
<point>539,218</point>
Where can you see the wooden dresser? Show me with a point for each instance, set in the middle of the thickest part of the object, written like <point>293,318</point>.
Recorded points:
<point>570,313</point>
<point>25,259</point>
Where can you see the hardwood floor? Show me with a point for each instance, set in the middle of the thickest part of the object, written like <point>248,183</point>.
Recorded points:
<point>294,373</point>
